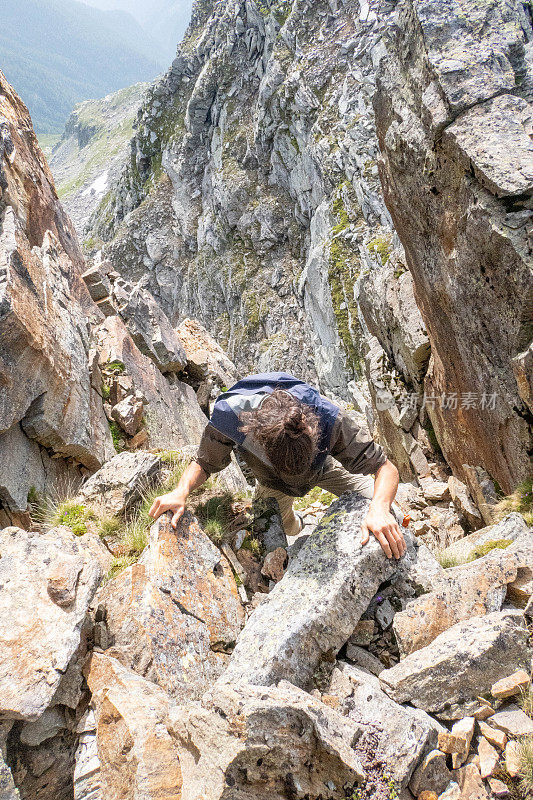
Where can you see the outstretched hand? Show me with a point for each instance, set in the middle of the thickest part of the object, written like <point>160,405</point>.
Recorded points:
<point>168,502</point>
<point>382,524</point>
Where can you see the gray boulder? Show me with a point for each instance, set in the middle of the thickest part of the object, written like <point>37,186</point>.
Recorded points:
<point>120,482</point>
<point>48,581</point>
<point>149,327</point>
<point>446,677</point>
<point>313,610</point>
<point>265,743</point>
<point>402,734</point>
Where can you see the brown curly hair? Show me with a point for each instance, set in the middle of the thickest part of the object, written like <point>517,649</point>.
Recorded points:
<point>288,430</point>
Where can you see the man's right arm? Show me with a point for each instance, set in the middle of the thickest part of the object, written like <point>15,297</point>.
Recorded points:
<point>193,477</point>
<point>214,454</point>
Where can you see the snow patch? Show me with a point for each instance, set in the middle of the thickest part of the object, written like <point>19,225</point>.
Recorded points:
<point>98,186</point>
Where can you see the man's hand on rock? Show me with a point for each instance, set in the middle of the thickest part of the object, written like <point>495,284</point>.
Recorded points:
<point>382,524</point>
<point>173,501</point>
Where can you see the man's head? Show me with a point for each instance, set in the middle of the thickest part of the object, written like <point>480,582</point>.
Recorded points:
<point>288,430</point>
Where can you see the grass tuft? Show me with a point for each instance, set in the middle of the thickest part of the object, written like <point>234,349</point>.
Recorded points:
<point>526,766</point>
<point>520,500</point>
<point>526,701</point>
<point>449,560</point>
<point>54,511</point>
<point>118,565</point>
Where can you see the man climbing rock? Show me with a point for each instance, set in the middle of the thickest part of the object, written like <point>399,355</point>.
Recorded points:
<point>291,438</point>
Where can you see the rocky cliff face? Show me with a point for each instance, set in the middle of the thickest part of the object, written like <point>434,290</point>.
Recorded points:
<point>454,120</point>
<point>74,383</point>
<point>253,202</point>
<point>48,406</point>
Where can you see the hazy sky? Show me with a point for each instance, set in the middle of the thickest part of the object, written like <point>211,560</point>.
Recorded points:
<point>146,10</point>
<point>165,20</point>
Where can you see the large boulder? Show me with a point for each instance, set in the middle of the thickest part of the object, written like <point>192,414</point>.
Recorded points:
<point>205,358</point>
<point>471,590</point>
<point>48,581</point>
<point>137,755</point>
<point>447,676</point>
<point>174,616</point>
<point>120,482</point>
<point>313,610</point>
<point>451,111</point>
<point>45,316</point>
<point>265,743</point>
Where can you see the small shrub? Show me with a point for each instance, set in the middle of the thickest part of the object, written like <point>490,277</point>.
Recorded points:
<point>118,436</point>
<point>526,766</point>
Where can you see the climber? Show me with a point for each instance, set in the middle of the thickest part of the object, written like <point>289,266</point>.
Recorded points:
<point>290,437</point>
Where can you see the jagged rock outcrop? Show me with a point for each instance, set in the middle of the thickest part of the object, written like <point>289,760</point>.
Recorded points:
<point>48,406</point>
<point>252,200</point>
<point>453,117</point>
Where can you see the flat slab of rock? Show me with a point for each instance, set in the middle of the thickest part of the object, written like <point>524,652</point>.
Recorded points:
<point>252,742</point>
<point>466,660</point>
<point>174,616</point>
<point>315,607</point>
<point>470,590</point>
<point>120,482</point>
<point>509,528</point>
<point>512,721</point>
<point>48,581</point>
<point>502,161</point>
<point>513,684</point>
<point>138,757</point>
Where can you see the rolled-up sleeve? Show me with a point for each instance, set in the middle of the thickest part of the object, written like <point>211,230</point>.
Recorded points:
<point>214,452</point>
<point>354,448</point>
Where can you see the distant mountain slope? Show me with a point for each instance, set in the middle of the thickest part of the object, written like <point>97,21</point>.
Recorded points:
<point>58,52</point>
<point>93,148</point>
<point>165,20</point>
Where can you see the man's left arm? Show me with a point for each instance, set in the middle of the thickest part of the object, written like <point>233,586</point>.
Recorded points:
<point>360,454</point>
<point>380,521</point>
